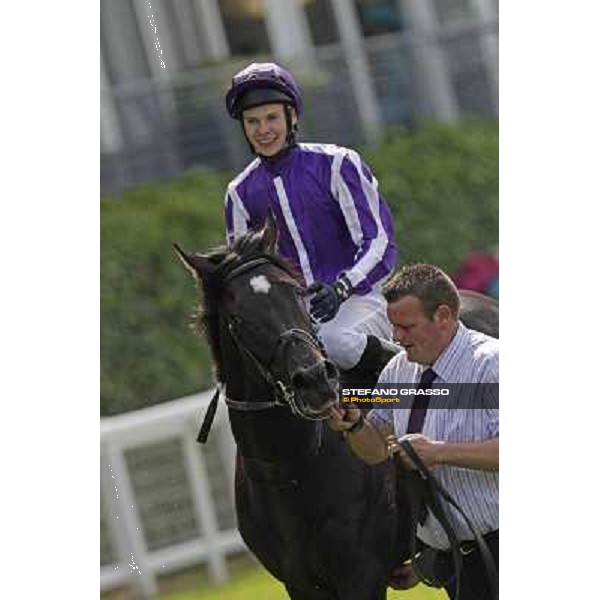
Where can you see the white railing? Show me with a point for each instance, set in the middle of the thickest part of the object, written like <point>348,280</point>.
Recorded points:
<point>137,564</point>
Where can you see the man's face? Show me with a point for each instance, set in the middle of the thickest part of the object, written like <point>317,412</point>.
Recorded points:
<point>424,339</point>
<point>266,129</point>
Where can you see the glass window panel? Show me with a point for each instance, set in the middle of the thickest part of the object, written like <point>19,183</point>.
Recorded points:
<point>124,54</point>
<point>469,74</point>
<point>169,26</point>
<point>321,20</point>
<point>453,10</point>
<point>378,16</point>
<point>245,27</point>
<point>188,21</point>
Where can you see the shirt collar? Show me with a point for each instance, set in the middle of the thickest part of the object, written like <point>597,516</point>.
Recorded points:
<point>447,364</point>
<point>275,164</point>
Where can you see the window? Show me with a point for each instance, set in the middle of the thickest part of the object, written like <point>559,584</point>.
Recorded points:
<point>453,10</point>
<point>244,25</point>
<point>378,16</point>
<point>178,23</point>
<point>125,58</point>
<point>321,20</point>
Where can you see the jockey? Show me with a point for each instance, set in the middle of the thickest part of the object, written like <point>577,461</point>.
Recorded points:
<point>333,225</point>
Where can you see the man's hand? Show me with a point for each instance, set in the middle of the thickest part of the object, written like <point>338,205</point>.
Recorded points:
<point>403,578</point>
<point>328,298</point>
<point>479,456</point>
<point>343,419</point>
<point>429,451</point>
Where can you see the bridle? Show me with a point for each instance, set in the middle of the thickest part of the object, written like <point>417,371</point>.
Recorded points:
<point>282,393</point>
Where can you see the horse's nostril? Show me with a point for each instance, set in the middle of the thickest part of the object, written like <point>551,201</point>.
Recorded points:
<point>301,380</point>
<point>314,375</point>
<point>331,370</point>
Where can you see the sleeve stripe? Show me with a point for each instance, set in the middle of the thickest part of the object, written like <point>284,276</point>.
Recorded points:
<point>240,216</point>
<point>345,200</point>
<point>377,249</point>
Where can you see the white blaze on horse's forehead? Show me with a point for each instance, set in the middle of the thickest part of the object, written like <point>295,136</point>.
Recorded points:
<point>260,284</point>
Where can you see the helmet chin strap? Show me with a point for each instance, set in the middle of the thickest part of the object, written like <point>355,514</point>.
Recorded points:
<point>292,129</point>
<point>290,138</point>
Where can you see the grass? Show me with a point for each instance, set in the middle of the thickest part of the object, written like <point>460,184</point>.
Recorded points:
<point>252,582</point>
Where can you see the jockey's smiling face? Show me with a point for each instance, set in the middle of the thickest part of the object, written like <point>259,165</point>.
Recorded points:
<point>424,338</point>
<point>266,128</point>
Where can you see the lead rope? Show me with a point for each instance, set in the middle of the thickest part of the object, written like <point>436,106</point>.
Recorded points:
<point>436,489</point>
<point>209,417</point>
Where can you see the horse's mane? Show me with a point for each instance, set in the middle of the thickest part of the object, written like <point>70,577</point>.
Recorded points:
<point>206,317</point>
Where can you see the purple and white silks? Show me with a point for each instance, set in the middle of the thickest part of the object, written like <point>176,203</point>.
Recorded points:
<point>330,216</point>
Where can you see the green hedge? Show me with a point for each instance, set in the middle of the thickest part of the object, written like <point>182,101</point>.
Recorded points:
<point>441,183</point>
<point>442,186</point>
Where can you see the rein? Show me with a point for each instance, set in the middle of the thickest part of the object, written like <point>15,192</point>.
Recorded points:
<point>283,394</point>
<point>432,491</point>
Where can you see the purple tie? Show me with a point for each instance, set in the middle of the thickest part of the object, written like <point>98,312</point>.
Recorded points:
<point>419,407</point>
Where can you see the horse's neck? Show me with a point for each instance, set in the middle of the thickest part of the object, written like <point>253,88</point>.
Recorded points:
<point>275,435</point>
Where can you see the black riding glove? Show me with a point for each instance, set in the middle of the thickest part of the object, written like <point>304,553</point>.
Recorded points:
<point>328,298</point>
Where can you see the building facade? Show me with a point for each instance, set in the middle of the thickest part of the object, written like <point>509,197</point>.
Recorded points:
<point>364,65</point>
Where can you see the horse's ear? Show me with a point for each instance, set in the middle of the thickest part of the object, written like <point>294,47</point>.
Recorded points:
<point>197,264</point>
<point>269,232</point>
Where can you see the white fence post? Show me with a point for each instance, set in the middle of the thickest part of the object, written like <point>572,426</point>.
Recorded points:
<point>129,537</point>
<point>147,427</point>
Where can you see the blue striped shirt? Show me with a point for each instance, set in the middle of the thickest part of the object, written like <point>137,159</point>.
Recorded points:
<point>471,357</point>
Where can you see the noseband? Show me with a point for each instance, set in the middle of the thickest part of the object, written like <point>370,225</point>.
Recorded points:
<point>283,394</point>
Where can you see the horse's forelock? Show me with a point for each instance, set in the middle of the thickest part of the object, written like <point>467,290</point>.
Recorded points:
<point>255,244</point>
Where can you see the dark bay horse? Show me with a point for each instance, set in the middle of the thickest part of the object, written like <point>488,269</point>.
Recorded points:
<point>480,312</point>
<point>318,518</point>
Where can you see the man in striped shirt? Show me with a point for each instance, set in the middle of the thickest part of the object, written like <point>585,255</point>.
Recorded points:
<point>460,445</point>
<point>333,225</point>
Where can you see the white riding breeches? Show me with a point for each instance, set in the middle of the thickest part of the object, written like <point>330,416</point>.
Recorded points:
<point>345,336</point>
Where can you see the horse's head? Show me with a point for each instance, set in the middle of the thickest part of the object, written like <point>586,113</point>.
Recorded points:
<point>259,330</point>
